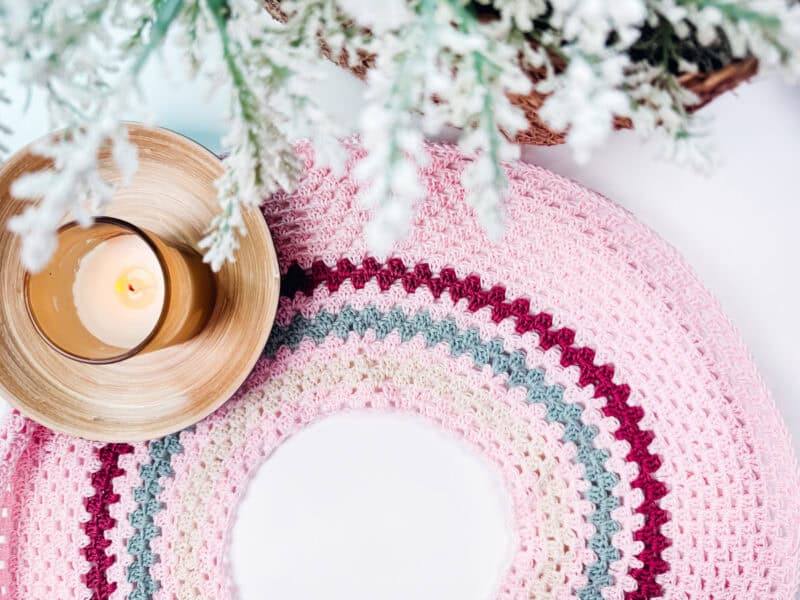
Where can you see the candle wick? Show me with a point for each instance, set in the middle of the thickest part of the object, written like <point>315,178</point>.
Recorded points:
<point>131,288</point>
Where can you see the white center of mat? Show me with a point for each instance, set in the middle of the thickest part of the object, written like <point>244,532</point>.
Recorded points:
<point>372,506</point>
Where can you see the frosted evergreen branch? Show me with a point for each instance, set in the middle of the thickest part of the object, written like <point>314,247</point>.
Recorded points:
<point>246,178</point>
<point>166,12</point>
<point>769,29</point>
<point>736,12</point>
<point>73,186</point>
<point>390,182</point>
<point>271,102</point>
<point>5,130</point>
<point>495,74</point>
<point>437,63</point>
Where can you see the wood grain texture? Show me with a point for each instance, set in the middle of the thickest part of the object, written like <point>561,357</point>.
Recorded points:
<point>149,395</point>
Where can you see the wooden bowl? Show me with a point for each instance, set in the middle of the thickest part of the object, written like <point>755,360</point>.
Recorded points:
<point>148,395</point>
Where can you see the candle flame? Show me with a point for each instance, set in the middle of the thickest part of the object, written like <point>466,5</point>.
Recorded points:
<point>136,287</point>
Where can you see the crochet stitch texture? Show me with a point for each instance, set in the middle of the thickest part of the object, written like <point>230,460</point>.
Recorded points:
<point>641,452</point>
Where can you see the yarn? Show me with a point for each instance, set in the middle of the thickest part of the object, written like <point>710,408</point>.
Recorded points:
<point>101,521</point>
<point>146,497</point>
<point>641,453</point>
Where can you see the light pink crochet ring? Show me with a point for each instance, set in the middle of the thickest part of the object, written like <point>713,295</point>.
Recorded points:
<point>641,452</point>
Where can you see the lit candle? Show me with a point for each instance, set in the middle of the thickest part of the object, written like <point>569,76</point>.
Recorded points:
<point>113,290</point>
<point>119,291</point>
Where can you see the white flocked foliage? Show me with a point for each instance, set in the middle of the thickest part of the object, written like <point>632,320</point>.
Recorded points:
<point>438,62</point>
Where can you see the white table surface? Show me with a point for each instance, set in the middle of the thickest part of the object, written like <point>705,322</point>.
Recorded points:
<point>363,507</point>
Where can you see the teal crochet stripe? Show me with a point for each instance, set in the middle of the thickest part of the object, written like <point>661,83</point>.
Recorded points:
<point>148,504</point>
<point>513,364</point>
<point>459,341</point>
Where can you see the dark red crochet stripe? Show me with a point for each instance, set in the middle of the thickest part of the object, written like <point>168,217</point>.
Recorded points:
<point>101,521</point>
<point>600,376</point>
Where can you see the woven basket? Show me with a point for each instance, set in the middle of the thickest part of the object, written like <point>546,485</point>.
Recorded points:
<point>707,86</point>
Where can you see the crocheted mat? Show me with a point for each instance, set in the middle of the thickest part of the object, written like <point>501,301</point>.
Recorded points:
<point>641,452</point>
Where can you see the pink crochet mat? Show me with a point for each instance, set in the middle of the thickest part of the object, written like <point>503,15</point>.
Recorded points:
<point>641,453</point>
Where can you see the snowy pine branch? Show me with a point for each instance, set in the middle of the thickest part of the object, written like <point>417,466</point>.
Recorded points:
<point>437,62</point>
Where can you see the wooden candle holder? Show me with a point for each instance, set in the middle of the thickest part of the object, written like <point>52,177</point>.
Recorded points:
<point>162,391</point>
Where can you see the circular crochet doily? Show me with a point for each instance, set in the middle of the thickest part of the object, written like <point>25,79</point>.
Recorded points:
<point>641,453</point>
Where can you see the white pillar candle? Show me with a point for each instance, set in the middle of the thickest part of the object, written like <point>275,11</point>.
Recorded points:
<point>119,291</point>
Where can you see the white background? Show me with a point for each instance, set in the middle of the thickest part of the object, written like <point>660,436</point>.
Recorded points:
<point>363,507</point>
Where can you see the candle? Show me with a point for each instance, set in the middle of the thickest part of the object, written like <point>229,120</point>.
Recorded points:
<point>119,291</point>
<point>113,290</point>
